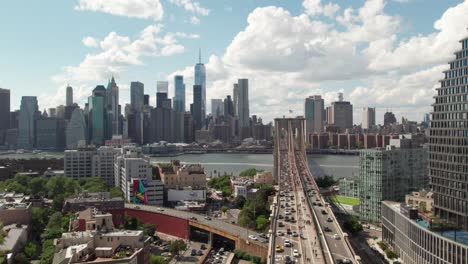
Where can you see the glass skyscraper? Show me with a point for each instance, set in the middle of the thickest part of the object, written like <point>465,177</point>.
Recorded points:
<point>200,79</point>
<point>448,142</point>
<point>29,112</point>
<point>137,95</point>
<point>97,115</point>
<point>179,98</point>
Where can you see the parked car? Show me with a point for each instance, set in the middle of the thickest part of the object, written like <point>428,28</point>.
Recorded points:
<point>252,237</point>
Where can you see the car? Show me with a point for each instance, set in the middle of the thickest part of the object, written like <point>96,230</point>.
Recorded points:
<point>160,209</point>
<point>193,253</point>
<point>293,210</point>
<point>137,207</point>
<point>293,220</point>
<point>199,253</point>
<point>280,233</point>
<point>344,261</point>
<point>278,248</point>
<point>288,260</point>
<point>252,237</point>
<point>295,234</point>
<point>329,219</point>
<point>320,204</point>
<point>287,212</point>
<point>282,206</point>
<point>324,212</point>
<point>327,229</point>
<point>202,247</point>
<point>317,199</point>
<point>296,253</point>
<point>314,203</point>
<point>288,231</point>
<point>280,224</point>
<point>287,243</point>
<point>207,218</point>
<point>165,248</point>
<point>193,218</point>
<point>336,236</point>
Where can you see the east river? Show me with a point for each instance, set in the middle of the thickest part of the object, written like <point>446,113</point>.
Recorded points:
<point>338,166</point>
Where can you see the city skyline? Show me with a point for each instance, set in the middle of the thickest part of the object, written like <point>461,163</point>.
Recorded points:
<point>379,75</point>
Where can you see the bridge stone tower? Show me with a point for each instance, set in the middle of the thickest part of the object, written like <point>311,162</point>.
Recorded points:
<point>289,135</point>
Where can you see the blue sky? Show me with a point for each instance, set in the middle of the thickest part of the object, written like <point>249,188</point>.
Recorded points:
<point>40,39</point>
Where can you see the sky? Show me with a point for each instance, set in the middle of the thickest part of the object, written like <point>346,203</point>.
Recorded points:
<point>384,54</point>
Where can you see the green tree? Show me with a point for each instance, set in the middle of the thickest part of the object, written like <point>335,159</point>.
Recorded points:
<point>353,225</point>
<point>157,259</point>
<point>48,251</point>
<point>176,246</point>
<point>17,187</point>
<point>93,184</point>
<point>149,229</point>
<point>21,258</point>
<point>36,185</point>
<point>249,172</point>
<point>40,217</point>
<point>30,250</point>
<point>239,201</point>
<point>57,203</point>
<point>262,223</point>
<point>131,223</point>
<point>224,209</point>
<point>116,192</point>
<point>55,221</point>
<point>325,181</point>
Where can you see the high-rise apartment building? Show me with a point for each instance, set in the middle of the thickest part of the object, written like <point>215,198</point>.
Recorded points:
<point>368,118</point>
<point>200,79</point>
<point>69,96</point>
<point>137,94</point>
<point>134,175</point>
<point>448,142</point>
<point>102,164</point>
<point>197,111</point>
<point>76,132</point>
<point>179,98</point>
<point>217,107</point>
<point>29,112</point>
<point>340,114</point>
<point>314,113</point>
<point>389,174</point>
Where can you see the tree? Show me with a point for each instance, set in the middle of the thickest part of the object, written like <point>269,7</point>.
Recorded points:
<point>131,223</point>
<point>36,185</point>
<point>21,258</point>
<point>224,209</point>
<point>149,229</point>
<point>93,184</point>
<point>57,203</point>
<point>30,250</point>
<point>325,181</point>
<point>40,217</point>
<point>353,225</point>
<point>239,201</point>
<point>176,246</point>
<point>157,259</point>
<point>48,251</point>
<point>249,172</point>
<point>116,192</point>
<point>55,221</point>
<point>262,223</point>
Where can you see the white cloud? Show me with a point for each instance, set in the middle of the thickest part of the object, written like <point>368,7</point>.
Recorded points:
<point>191,6</point>
<point>146,9</point>
<point>195,20</point>
<point>90,42</point>
<point>361,53</point>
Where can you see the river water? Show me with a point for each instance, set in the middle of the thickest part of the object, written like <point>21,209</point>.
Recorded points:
<point>338,166</point>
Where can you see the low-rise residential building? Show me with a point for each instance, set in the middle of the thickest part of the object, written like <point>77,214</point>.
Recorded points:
<point>174,175</point>
<point>100,200</point>
<point>423,200</point>
<point>99,242</point>
<point>15,208</point>
<point>15,237</point>
<point>264,177</point>
<point>241,186</point>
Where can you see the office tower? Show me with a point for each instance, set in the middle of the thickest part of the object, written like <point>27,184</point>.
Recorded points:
<point>52,112</point>
<point>448,153</point>
<point>178,126</point>
<point>197,107</point>
<point>97,115</point>
<point>134,175</point>
<point>60,110</point>
<point>29,112</point>
<point>69,96</point>
<point>4,109</point>
<point>146,99</point>
<point>161,124</point>
<point>314,114</point>
<point>200,79</point>
<point>235,98</point>
<point>76,133</point>
<point>179,98</point>
<point>50,134</point>
<point>14,119</point>
<point>137,95</point>
<point>389,118</point>
<point>113,110</point>
<point>162,100</point>
<point>243,107</point>
<point>340,114</point>
<point>389,174</point>
<point>162,87</point>
<point>189,136</point>
<point>368,118</point>
<point>217,107</point>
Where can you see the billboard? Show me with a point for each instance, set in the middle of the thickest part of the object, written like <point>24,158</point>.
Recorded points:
<point>186,195</point>
<point>139,192</point>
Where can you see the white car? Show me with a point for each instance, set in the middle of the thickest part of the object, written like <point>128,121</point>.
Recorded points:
<point>287,243</point>
<point>296,253</point>
<point>160,209</point>
<point>252,237</point>
<point>336,236</point>
<point>287,212</point>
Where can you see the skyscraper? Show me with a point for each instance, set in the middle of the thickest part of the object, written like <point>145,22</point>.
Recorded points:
<point>146,99</point>
<point>448,152</point>
<point>137,95</point>
<point>29,112</point>
<point>389,118</point>
<point>179,98</point>
<point>314,114</point>
<point>162,100</point>
<point>69,96</point>
<point>217,107</point>
<point>76,129</point>
<point>243,107</point>
<point>113,108</point>
<point>340,114</point>
<point>200,79</point>
<point>97,115</point>
<point>368,118</point>
<point>235,98</point>
<point>4,109</point>
<point>197,107</point>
